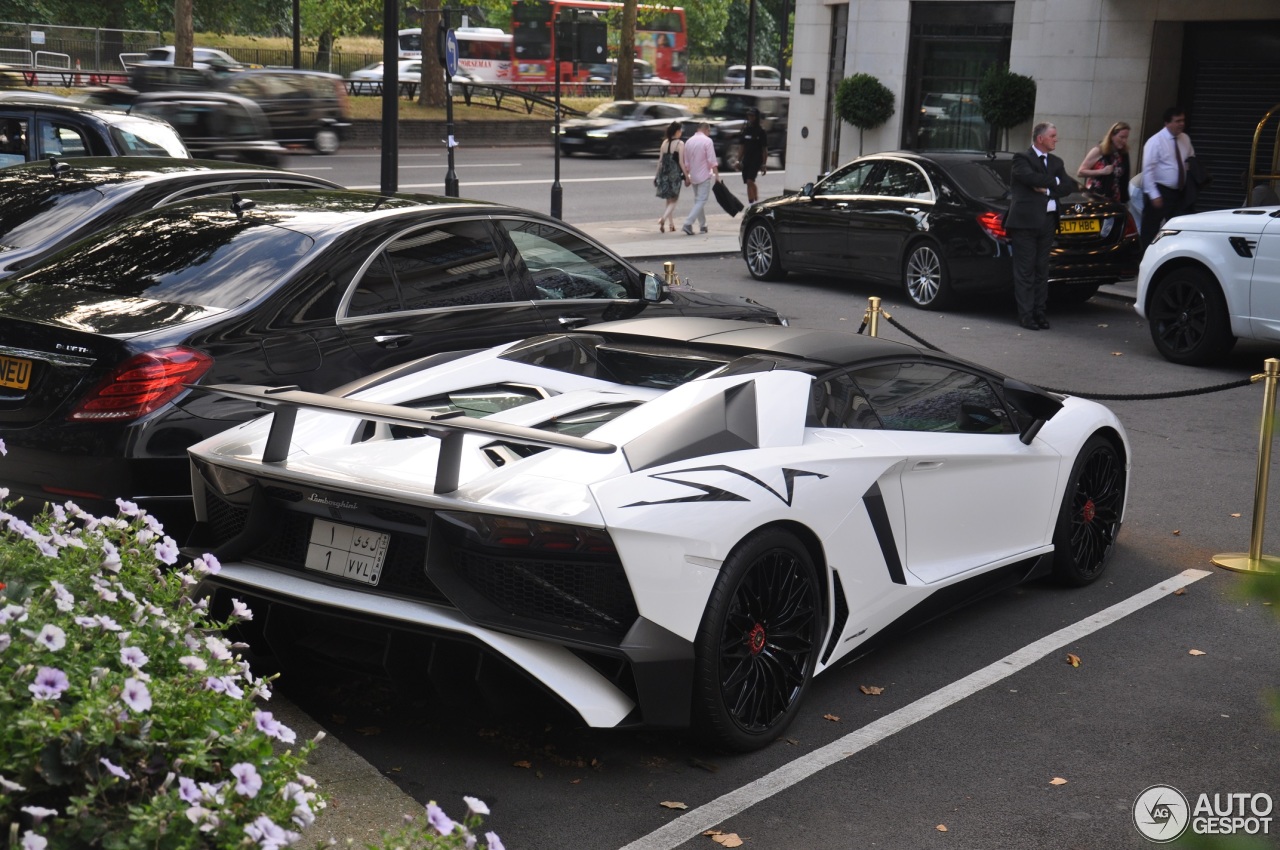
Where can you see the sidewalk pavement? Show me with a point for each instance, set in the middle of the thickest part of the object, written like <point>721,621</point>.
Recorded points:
<point>362,801</point>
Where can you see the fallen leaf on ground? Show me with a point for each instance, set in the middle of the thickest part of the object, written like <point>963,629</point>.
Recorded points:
<point>523,763</point>
<point>339,718</point>
<point>942,827</point>
<point>1104,326</point>
<point>369,730</point>
<point>704,765</point>
<point>1117,354</point>
<point>1177,531</point>
<point>1073,659</point>
<point>1196,652</point>
<point>575,781</point>
<point>792,741</point>
<point>727,839</point>
<point>833,718</point>
<point>672,804</point>
<point>1180,591</point>
<point>1057,780</point>
<point>871,690</point>
<point>1235,515</point>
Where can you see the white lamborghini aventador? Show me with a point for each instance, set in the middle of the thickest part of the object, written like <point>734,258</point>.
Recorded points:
<point>663,522</point>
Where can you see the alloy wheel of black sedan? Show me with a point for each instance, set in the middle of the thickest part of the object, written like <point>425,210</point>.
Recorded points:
<point>761,250</point>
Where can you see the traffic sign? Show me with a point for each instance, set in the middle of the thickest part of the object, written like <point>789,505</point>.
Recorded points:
<point>451,52</point>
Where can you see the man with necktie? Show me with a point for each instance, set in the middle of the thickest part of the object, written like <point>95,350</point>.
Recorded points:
<point>1164,173</point>
<point>1039,180</point>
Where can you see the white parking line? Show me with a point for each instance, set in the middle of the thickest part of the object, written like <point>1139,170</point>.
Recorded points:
<point>695,822</point>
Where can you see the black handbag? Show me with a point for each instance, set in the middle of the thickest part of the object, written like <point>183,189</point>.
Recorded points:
<point>726,199</point>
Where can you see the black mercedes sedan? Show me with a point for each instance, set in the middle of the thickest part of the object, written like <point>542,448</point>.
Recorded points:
<point>46,206</point>
<point>934,223</point>
<point>311,288</point>
<point>620,128</point>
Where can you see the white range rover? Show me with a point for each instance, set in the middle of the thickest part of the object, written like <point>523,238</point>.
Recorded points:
<point>1210,278</point>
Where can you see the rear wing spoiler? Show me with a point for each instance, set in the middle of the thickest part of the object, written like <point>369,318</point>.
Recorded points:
<point>448,428</point>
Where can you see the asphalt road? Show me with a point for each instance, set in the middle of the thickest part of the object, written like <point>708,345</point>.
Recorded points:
<point>593,189</point>
<point>938,759</point>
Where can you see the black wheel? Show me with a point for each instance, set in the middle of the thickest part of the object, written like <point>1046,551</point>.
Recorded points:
<point>760,249</point>
<point>1089,520</point>
<point>758,643</point>
<point>617,150</point>
<point>924,275</point>
<point>326,141</point>
<point>1072,293</point>
<point>1188,318</point>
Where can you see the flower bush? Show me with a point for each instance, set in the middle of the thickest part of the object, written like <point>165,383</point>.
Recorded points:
<point>129,721</point>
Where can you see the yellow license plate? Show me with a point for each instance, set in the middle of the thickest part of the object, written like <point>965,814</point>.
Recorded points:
<point>1070,226</point>
<point>15,372</point>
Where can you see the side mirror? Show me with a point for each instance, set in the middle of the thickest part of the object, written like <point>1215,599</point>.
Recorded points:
<point>1033,403</point>
<point>654,289</point>
<point>807,191</point>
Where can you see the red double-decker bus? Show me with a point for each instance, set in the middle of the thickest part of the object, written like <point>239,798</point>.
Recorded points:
<point>660,39</point>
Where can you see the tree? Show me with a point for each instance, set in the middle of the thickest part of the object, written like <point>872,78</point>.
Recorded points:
<point>732,38</point>
<point>705,23</point>
<point>625,82</point>
<point>865,102</point>
<point>1007,99</point>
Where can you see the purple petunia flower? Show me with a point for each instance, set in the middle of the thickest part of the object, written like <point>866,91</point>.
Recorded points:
<point>51,637</point>
<point>268,835</point>
<point>136,695</point>
<point>193,663</point>
<point>3,451</point>
<point>248,782</point>
<point>438,819</point>
<point>113,769</point>
<point>240,611</point>
<point>127,508</point>
<point>133,657</point>
<point>31,841</point>
<point>39,813</point>
<point>49,684</point>
<point>166,551</point>
<point>273,728</point>
<point>188,790</point>
<point>110,557</point>
<point>476,806</point>
<point>5,640</point>
<point>493,842</point>
<point>11,787</point>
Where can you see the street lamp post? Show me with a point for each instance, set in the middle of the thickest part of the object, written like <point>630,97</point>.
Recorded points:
<point>451,47</point>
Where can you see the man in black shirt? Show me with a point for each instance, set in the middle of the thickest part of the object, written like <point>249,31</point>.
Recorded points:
<point>753,152</point>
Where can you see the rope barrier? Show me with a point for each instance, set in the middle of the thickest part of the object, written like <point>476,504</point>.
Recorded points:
<point>875,310</point>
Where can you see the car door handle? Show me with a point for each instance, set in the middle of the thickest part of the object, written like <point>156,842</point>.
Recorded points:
<point>842,205</point>
<point>911,210</point>
<point>926,465</point>
<point>572,321</point>
<point>392,340</point>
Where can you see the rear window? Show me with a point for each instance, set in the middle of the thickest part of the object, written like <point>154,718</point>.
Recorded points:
<point>986,179</point>
<point>30,217</point>
<point>201,258</point>
<point>140,137</point>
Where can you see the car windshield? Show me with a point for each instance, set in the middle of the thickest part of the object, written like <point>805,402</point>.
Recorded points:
<point>206,258</point>
<point>985,179</point>
<point>617,110</point>
<point>141,137</point>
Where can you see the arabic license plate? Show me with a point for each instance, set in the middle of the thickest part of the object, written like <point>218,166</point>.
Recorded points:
<point>1071,226</point>
<point>346,551</point>
<point>15,372</point>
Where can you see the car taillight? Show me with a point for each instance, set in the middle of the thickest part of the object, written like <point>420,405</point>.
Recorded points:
<point>141,384</point>
<point>1130,226</point>
<point>993,224</point>
<point>516,533</point>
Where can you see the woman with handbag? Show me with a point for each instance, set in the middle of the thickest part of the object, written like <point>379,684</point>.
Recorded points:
<point>1106,165</point>
<point>670,175</point>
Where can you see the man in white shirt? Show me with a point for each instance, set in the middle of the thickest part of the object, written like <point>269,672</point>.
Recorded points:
<point>701,170</point>
<point>1164,173</point>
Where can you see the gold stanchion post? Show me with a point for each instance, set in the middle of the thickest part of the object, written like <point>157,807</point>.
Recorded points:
<point>1256,562</point>
<point>669,274</point>
<point>872,315</point>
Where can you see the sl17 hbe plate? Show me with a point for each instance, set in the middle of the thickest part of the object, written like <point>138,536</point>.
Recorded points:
<point>346,551</point>
<point>15,372</point>
<point>1068,226</point>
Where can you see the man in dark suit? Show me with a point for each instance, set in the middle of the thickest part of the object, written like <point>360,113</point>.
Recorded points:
<point>1039,180</point>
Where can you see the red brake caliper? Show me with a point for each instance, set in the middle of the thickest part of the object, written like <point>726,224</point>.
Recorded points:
<point>1089,511</point>
<point>756,639</point>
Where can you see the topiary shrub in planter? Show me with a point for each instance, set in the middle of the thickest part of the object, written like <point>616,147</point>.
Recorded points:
<point>1007,100</point>
<point>865,102</point>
